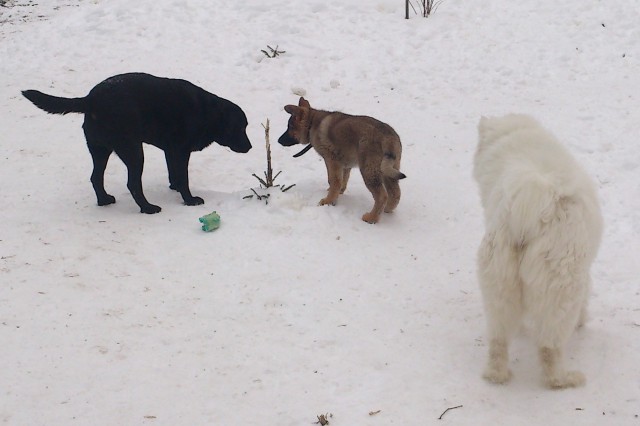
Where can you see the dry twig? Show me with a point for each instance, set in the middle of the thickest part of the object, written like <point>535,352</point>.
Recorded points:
<point>447,410</point>
<point>269,178</point>
<point>323,419</point>
<point>272,52</point>
<point>426,7</point>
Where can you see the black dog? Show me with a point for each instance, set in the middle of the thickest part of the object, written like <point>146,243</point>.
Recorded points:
<point>126,110</point>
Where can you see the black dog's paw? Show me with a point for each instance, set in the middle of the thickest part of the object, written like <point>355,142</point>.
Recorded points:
<point>193,201</point>
<point>105,201</point>
<point>150,209</point>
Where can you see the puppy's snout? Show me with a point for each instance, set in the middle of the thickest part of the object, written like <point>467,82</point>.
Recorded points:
<point>286,140</point>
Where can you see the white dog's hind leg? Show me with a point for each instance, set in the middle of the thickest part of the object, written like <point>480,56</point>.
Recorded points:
<point>501,292</point>
<point>560,307</point>
<point>497,369</point>
<point>584,316</point>
<point>555,375</point>
<point>556,288</point>
<point>553,332</point>
<point>584,312</point>
<point>553,323</point>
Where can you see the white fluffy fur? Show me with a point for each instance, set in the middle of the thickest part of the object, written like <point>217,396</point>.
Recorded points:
<point>543,229</point>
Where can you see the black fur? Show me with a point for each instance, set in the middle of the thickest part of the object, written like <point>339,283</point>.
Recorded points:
<point>126,110</point>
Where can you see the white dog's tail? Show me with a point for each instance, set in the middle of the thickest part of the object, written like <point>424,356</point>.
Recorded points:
<point>535,204</point>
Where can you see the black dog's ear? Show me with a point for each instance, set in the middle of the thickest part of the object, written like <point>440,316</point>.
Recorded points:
<point>303,103</point>
<point>292,109</point>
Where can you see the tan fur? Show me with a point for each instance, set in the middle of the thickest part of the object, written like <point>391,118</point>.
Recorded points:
<point>345,141</point>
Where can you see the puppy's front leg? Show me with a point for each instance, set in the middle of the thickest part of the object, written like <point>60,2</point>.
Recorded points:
<point>335,174</point>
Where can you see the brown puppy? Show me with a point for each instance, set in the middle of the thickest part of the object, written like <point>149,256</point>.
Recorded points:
<point>346,141</point>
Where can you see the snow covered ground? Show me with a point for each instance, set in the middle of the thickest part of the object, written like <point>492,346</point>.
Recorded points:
<point>290,310</point>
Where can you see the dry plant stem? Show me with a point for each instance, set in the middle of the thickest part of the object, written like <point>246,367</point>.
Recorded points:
<point>322,419</point>
<point>427,7</point>
<point>447,410</point>
<point>269,178</point>
<point>262,182</point>
<point>269,173</point>
<point>414,9</point>
<point>274,52</point>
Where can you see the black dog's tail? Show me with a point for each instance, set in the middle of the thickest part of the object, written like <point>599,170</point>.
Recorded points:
<point>54,104</point>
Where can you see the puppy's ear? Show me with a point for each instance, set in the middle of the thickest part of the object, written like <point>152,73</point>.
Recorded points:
<point>303,103</point>
<point>292,109</point>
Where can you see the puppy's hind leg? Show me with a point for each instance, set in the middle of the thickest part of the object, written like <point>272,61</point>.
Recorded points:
<point>390,167</point>
<point>374,184</point>
<point>393,189</point>
<point>502,296</point>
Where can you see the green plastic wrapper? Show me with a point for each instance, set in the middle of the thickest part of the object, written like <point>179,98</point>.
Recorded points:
<point>210,222</point>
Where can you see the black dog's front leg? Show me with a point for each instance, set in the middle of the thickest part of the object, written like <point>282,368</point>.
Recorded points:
<point>178,165</point>
<point>133,158</point>
<point>170,169</point>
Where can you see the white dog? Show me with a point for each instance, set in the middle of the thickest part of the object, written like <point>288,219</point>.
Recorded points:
<point>543,229</point>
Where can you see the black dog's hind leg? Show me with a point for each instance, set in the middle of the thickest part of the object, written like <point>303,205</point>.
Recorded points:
<point>178,166</point>
<point>133,158</point>
<point>100,156</point>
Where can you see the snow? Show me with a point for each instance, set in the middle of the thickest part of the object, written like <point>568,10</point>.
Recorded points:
<point>291,310</point>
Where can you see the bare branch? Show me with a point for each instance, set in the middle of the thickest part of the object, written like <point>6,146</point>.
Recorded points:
<point>447,410</point>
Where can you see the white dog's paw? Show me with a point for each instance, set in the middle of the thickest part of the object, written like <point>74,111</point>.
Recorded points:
<point>497,375</point>
<point>570,379</point>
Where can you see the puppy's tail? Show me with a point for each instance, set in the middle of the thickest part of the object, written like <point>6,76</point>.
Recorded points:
<point>388,166</point>
<point>54,104</point>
